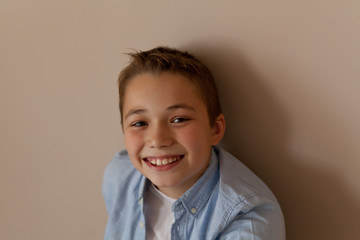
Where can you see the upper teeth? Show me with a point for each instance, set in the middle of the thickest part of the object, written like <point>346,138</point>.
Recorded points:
<point>163,161</point>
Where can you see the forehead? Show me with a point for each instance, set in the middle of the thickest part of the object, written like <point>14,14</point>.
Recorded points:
<point>161,84</point>
<point>161,89</point>
<point>163,77</point>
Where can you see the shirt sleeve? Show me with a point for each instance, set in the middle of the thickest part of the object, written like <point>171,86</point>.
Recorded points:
<point>261,223</point>
<point>108,188</point>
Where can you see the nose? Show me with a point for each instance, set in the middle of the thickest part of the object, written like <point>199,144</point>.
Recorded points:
<point>159,135</point>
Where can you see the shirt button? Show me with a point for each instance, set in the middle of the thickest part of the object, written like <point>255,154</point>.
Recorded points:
<point>193,210</point>
<point>141,224</point>
<point>141,201</point>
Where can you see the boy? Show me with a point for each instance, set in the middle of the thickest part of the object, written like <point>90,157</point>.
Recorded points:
<point>172,182</point>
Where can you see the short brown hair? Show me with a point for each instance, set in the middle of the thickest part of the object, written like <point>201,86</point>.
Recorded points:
<point>165,59</point>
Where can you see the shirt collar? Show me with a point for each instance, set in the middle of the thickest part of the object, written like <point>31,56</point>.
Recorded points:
<point>144,185</point>
<point>194,199</point>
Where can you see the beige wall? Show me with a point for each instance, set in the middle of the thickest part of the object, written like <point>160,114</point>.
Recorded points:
<point>289,77</point>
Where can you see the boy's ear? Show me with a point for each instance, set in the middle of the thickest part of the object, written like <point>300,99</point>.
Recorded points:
<point>218,129</point>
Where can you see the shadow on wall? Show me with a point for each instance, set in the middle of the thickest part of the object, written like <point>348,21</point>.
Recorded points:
<point>315,203</point>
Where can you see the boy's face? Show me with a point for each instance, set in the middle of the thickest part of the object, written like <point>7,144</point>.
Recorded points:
<point>167,132</point>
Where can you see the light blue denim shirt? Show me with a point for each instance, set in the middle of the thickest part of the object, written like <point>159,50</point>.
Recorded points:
<point>227,202</point>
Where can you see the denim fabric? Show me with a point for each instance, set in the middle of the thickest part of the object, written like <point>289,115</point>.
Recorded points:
<point>227,202</point>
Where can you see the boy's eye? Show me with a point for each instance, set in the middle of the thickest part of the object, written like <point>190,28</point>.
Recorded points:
<point>180,120</point>
<point>139,124</point>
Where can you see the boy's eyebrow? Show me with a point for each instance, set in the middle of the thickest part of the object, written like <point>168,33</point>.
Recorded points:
<point>134,111</point>
<point>181,105</point>
<point>171,108</point>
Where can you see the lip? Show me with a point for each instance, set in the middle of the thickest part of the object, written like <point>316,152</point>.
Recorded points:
<point>166,167</point>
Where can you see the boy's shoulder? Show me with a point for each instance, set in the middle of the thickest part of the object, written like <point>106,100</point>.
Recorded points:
<point>238,184</point>
<point>120,166</point>
<point>120,175</point>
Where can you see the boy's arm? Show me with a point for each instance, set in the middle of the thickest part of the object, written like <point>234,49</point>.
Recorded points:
<point>107,189</point>
<point>262,223</point>
<point>111,181</point>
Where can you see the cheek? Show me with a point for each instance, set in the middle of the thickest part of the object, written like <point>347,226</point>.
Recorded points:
<point>196,138</point>
<point>133,142</point>
<point>133,146</point>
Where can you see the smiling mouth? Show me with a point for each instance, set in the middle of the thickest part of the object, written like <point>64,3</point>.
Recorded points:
<point>163,161</point>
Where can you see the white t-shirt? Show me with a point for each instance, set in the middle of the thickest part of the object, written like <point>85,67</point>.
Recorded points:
<point>158,214</point>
